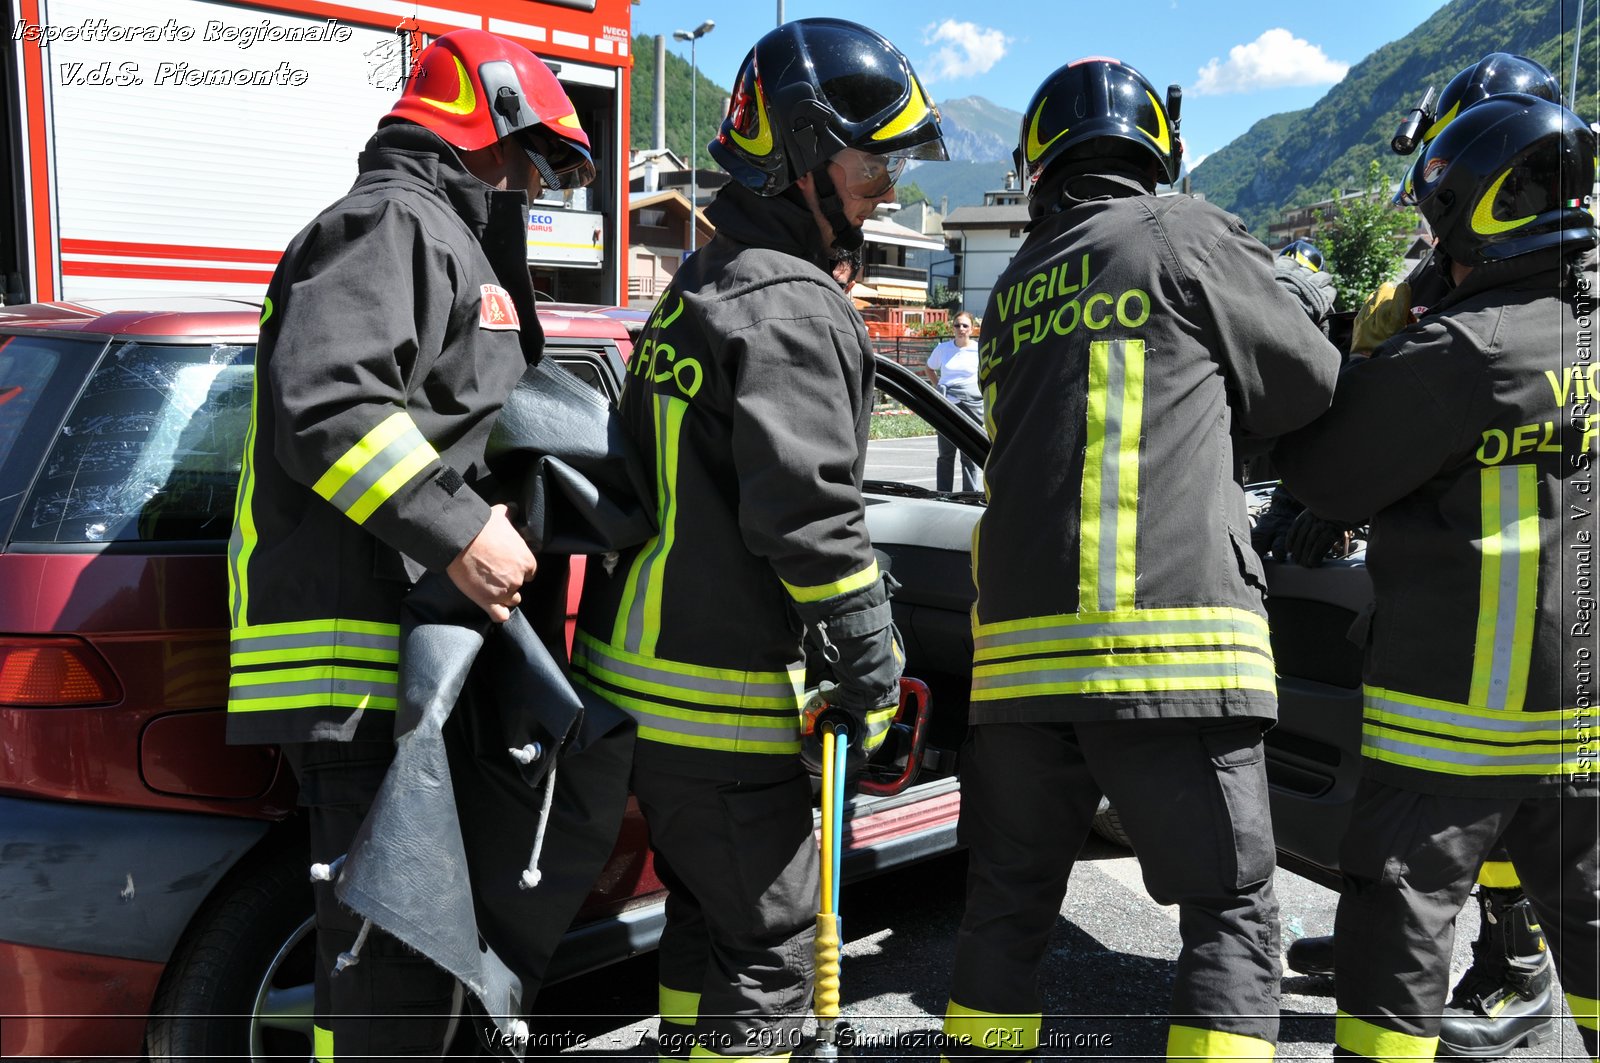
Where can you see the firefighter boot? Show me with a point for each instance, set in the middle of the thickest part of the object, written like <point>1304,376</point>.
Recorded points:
<point>1311,955</point>
<point>1503,1001</point>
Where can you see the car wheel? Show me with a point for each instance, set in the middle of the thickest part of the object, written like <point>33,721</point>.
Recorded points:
<point>1108,824</point>
<point>240,983</point>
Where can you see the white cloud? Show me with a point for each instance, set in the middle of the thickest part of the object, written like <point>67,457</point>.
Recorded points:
<point>966,49</point>
<point>1273,60</point>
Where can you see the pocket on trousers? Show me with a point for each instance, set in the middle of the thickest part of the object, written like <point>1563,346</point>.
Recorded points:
<point>1240,764</point>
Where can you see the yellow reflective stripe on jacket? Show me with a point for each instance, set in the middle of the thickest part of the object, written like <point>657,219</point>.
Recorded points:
<point>1195,648</point>
<point>1508,586</point>
<point>681,704</point>
<point>242,541</point>
<point>1124,673</point>
<point>1454,739</point>
<point>314,640</point>
<point>1109,511</point>
<point>1375,1043</point>
<point>1128,629</point>
<point>823,591</point>
<point>1499,874</point>
<point>383,461</point>
<point>638,622</point>
<point>313,663</point>
<point>991,1031</point>
<point>322,1044</point>
<point>1192,1042</point>
<point>314,684</point>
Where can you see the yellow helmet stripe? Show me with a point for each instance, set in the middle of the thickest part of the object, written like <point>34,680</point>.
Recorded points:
<point>762,143</point>
<point>1484,223</point>
<point>466,100</point>
<point>1036,149</point>
<point>1438,127</point>
<point>1163,137</point>
<point>570,121</point>
<point>914,111</point>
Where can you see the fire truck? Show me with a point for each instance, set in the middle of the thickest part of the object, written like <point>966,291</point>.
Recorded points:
<point>151,147</point>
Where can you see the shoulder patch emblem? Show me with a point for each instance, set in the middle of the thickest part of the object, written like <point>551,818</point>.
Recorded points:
<point>497,311</point>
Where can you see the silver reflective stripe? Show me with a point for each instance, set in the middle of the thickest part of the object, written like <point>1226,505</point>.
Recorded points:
<point>694,684</point>
<point>298,687</point>
<point>987,678</point>
<point>1449,723</point>
<point>1110,470</point>
<point>651,562</point>
<point>1111,630</point>
<point>313,640</point>
<point>378,466</point>
<point>1506,576</point>
<point>1394,743</point>
<point>723,735</point>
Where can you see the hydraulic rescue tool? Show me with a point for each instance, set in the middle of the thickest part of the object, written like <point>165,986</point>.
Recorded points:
<point>833,727</point>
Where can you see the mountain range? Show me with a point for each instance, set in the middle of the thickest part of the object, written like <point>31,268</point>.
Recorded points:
<point>1283,160</point>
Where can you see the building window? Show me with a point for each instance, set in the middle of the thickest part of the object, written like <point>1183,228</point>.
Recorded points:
<point>653,218</point>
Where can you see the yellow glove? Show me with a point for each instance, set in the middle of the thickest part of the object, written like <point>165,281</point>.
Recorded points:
<point>1385,312</point>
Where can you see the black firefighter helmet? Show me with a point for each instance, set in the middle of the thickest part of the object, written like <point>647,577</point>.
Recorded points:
<point>1304,252</point>
<point>814,87</point>
<point>1091,99</point>
<point>1510,176</point>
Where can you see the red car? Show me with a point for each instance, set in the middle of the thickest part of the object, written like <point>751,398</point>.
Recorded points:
<point>152,877</point>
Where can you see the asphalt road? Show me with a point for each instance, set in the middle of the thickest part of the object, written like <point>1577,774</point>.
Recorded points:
<point>1106,975</point>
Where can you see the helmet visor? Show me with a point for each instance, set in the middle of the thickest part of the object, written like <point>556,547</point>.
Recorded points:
<point>561,163</point>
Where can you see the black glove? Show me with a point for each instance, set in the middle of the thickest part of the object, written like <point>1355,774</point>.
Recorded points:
<point>1314,289</point>
<point>1311,538</point>
<point>858,640</point>
<point>1270,536</point>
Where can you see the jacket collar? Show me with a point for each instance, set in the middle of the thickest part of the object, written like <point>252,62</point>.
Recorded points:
<point>775,222</point>
<point>411,153</point>
<point>1541,269</point>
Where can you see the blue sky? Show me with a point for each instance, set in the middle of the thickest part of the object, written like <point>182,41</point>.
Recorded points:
<point>1237,60</point>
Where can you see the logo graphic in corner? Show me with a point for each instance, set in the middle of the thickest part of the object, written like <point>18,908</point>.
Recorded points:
<point>497,311</point>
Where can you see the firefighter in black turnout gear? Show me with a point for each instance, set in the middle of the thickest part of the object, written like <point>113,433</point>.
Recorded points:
<point>1132,346</point>
<point>1469,441</point>
<point>750,395</point>
<point>1504,999</point>
<point>394,328</point>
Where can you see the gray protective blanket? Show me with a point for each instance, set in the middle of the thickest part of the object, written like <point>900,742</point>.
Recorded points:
<point>444,861</point>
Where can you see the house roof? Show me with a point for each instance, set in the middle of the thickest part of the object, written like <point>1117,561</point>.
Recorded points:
<point>987,217</point>
<point>884,231</point>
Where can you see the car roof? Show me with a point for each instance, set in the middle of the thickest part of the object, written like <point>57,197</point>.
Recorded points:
<point>178,317</point>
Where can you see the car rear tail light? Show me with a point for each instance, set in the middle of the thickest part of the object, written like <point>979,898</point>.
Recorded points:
<point>54,672</point>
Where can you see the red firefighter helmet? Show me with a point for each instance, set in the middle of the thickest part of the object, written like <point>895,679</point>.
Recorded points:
<point>473,88</point>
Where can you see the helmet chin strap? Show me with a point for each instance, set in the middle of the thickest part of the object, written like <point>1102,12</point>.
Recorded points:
<point>846,237</point>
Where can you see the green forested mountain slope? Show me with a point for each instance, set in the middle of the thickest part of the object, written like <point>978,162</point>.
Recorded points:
<point>710,105</point>
<point>1303,155</point>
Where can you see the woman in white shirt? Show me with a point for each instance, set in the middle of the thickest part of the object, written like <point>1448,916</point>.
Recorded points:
<point>956,362</point>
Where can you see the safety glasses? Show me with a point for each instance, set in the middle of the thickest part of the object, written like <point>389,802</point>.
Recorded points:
<point>869,176</point>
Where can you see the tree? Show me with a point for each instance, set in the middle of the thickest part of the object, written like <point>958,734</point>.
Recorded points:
<point>944,297</point>
<point>909,193</point>
<point>1364,243</point>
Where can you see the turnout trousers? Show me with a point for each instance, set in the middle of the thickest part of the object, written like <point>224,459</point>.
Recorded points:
<point>1192,795</point>
<point>392,1001</point>
<point>740,864</point>
<point>1409,860</point>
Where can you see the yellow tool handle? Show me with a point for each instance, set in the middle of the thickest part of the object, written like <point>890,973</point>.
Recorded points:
<point>827,956</point>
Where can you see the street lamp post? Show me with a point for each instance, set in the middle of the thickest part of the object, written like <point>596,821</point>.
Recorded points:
<point>693,36</point>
